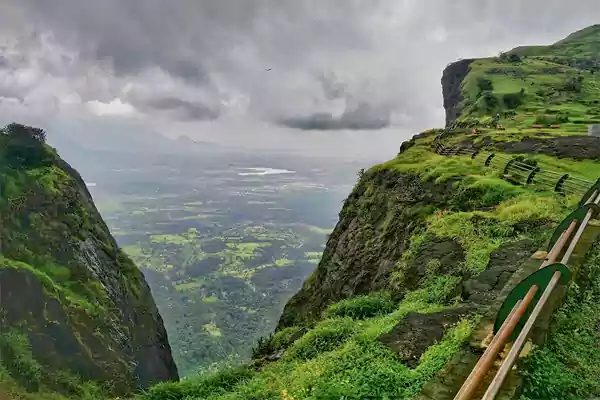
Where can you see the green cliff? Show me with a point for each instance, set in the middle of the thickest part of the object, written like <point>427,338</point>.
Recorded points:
<point>427,246</point>
<point>401,304</point>
<point>73,308</point>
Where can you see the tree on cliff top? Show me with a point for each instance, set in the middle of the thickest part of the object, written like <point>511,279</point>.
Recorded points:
<point>23,146</point>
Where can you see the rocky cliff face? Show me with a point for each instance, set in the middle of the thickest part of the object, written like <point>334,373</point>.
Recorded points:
<point>427,247</point>
<point>452,79</point>
<point>378,218</point>
<point>68,294</point>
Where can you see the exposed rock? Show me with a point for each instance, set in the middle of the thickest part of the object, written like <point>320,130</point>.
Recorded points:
<point>448,252</point>
<point>504,261</point>
<point>87,309</point>
<point>415,333</point>
<point>577,147</point>
<point>452,78</point>
<point>377,219</point>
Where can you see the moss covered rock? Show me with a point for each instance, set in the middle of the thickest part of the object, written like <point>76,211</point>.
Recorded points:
<point>80,303</point>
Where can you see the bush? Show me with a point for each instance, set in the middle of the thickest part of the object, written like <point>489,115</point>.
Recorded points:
<point>483,193</point>
<point>24,147</point>
<point>278,341</point>
<point>361,307</point>
<point>487,102</point>
<point>514,58</point>
<point>221,382</point>
<point>326,336</point>
<point>573,84</point>
<point>513,100</point>
<point>484,85</point>
<point>528,161</point>
<point>18,360</point>
<point>542,120</point>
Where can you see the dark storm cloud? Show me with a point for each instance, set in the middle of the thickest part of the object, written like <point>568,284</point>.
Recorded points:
<point>360,117</point>
<point>206,59</point>
<point>184,109</point>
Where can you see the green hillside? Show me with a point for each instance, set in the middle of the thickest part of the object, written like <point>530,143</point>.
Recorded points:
<point>426,244</point>
<point>75,311</point>
<point>543,85</point>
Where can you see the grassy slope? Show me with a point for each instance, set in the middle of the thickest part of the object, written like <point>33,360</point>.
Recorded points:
<point>340,355</point>
<point>42,212</point>
<point>17,360</point>
<point>558,80</point>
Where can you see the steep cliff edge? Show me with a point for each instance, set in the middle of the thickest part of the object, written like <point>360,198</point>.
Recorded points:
<point>452,79</point>
<point>427,247</point>
<point>74,308</point>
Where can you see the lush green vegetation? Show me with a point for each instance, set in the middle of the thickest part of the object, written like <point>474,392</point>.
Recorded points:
<point>217,280</point>
<point>339,358</point>
<point>214,278</point>
<point>542,85</point>
<point>568,366</point>
<point>62,305</point>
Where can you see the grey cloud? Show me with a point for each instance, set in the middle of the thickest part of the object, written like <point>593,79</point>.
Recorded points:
<point>386,54</point>
<point>184,109</point>
<point>360,117</point>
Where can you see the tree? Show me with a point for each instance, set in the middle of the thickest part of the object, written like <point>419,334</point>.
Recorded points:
<point>573,84</point>
<point>24,146</point>
<point>514,58</point>
<point>25,134</point>
<point>484,85</point>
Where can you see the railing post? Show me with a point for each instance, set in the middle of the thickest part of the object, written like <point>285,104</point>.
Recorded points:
<point>560,183</point>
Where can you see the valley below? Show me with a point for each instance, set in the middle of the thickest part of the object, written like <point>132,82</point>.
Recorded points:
<point>224,240</point>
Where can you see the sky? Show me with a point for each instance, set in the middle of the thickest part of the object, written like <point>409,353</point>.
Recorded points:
<point>365,74</point>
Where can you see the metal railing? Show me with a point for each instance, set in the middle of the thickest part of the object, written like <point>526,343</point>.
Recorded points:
<point>518,171</point>
<point>528,298</point>
<point>523,305</point>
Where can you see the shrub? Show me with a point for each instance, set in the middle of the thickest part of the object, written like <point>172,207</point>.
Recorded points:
<point>24,147</point>
<point>221,382</point>
<point>326,336</point>
<point>484,85</point>
<point>514,58</point>
<point>483,193</point>
<point>18,360</point>
<point>487,102</point>
<point>279,341</point>
<point>528,161</point>
<point>573,84</point>
<point>361,307</point>
<point>438,289</point>
<point>542,120</point>
<point>512,100</point>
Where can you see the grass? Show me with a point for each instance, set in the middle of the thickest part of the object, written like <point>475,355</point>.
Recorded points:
<point>543,75</point>
<point>568,365</point>
<point>23,378</point>
<point>428,165</point>
<point>361,307</point>
<point>212,329</point>
<point>339,358</point>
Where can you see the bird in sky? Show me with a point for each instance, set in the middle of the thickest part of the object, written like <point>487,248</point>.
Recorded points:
<point>268,69</point>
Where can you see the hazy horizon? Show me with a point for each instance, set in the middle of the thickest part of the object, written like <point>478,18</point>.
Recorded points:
<point>298,76</point>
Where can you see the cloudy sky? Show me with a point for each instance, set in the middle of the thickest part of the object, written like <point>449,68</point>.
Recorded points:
<point>257,72</point>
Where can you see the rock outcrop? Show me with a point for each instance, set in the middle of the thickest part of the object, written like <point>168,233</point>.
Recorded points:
<point>452,79</point>
<point>66,288</point>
